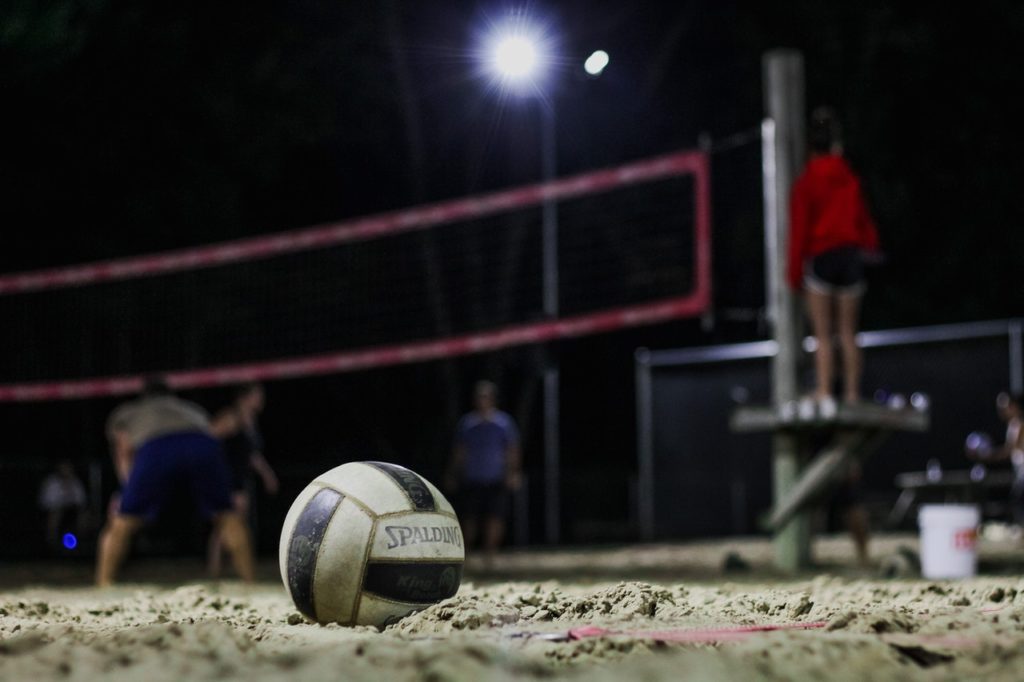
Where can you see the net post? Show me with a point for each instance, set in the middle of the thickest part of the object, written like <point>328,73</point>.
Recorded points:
<point>704,144</point>
<point>783,146</point>
<point>552,370</point>
<point>644,445</point>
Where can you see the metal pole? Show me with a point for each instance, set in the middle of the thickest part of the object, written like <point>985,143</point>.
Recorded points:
<point>644,445</point>
<point>549,216</point>
<point>549,238</point>
<point>783,147</point>
<point>784,155</point>
<point>1016,358</point>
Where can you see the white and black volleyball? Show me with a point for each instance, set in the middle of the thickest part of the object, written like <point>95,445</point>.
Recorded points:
<point>368,543</point>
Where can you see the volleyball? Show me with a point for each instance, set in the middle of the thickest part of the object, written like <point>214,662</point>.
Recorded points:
<point>368,543</point>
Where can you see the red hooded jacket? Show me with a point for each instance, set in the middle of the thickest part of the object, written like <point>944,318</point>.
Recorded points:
<point>827,211</point>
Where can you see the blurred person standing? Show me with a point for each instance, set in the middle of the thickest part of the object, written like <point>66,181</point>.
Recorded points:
<point>831,236</point>
<point>159,442</point>
<point>238,428</point>
<point>62,497</point>
<point>485,467</point>
<point>1010,408</point>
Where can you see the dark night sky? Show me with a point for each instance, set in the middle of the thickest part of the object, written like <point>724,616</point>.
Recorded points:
<point>140,126</point>
<point>135,126</point>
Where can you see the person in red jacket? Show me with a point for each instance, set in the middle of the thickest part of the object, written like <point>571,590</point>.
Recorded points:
<point>831,232</point>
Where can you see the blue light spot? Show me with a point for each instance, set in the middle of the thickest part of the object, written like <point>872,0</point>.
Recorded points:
<point>70,541</point>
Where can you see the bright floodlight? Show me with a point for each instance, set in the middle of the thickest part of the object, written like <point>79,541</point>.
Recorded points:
<point>515,57</point>
<point>596,62</point>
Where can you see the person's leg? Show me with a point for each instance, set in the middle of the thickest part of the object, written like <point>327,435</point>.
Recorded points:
<point>215,547</point>
<point>470,500</point>
<point>230,525</point>
<point>52,528</point>
<point>859,529</point>
<point>470,529</point>
<point>494,513</point>
<point>494,534</point>
<point>142,497</point>
<point>848,320</point>
<point>819,310</point>
<point>115,539</point>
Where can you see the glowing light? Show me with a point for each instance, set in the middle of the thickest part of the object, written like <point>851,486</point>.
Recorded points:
<point>70,541</point>
<point>515,57</point>
<point>596,62</point>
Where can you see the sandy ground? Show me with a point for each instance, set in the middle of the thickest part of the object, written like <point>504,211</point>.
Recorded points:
<point>498,626</point>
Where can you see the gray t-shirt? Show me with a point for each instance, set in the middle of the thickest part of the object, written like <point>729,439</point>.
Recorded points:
<point>147,418</point>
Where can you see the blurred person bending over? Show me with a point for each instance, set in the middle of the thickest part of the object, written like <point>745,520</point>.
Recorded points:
<point>160,441</point>
<point>238,429</point>
<point>485,467</point>
<point>831,235</point>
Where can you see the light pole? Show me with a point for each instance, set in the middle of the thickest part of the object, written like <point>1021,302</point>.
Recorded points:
<point>519,60</point>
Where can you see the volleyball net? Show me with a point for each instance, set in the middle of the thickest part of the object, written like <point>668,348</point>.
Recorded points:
<point>439,280</point>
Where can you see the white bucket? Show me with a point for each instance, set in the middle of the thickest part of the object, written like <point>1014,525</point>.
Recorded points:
<point>949,538</point>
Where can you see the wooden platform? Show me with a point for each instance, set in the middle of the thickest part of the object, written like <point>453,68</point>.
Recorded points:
<point>854,433</point>
<point>754,418</point>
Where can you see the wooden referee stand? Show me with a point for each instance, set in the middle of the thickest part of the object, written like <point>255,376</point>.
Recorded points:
<point>800,476</point>
<point>803,477</point>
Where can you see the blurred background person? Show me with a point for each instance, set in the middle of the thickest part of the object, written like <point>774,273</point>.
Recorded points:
<point>485,467</point>
<point>831,234</point>
<point>1008,407</point>
<point>62,498</point>
<point>238,428</point>
<point>160,442</point>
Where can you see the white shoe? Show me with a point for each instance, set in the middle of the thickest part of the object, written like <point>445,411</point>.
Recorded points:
<point>806,409</point>
<point>827,407</point>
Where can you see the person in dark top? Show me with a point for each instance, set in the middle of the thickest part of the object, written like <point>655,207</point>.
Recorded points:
<point>831,237</point>
<point>238,429</point>
<point>485,466</point>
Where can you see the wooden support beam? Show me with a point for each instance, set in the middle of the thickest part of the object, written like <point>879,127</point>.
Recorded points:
<point>825,471</point>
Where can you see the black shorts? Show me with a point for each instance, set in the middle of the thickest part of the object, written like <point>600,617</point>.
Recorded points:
<point>836,271</point>
<point>483,500</point>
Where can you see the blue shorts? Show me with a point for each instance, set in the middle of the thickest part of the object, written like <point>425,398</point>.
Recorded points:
<point>191,461</point>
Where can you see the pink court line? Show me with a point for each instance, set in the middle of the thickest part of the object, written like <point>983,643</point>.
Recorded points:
<point>699,636</point>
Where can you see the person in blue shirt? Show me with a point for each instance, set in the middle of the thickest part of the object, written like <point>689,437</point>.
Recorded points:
<point>485,467</point>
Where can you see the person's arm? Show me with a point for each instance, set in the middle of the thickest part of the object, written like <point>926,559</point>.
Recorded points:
<point>457,461</point>
<point>1005,451</point>
<point>225,424</point>
<point>513,459</point>
<point>513,466</point>
<point>455,464</point>
<point>865,223</point>
<point>262,467</point>
<point>799,219</point>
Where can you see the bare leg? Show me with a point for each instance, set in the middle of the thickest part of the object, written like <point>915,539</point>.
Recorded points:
<point>849,317</point>
<point>470,526</point>
<point>52,523</point>
<point>115,539</point>
<point>857,524</point>
<point>494,533</point>
<point>819,310</point>
<point>215,547</point>
<point>235,535</point>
